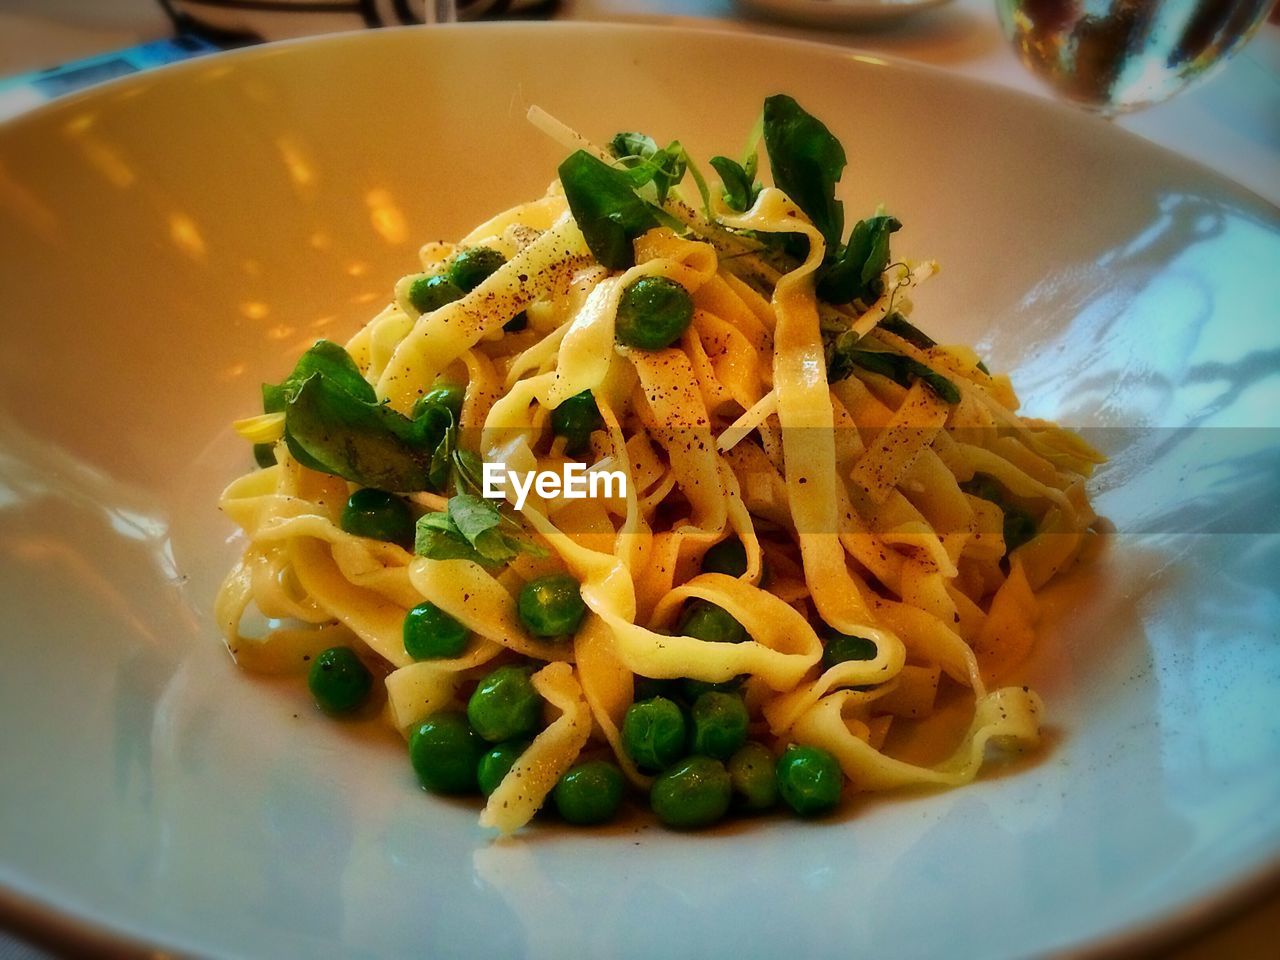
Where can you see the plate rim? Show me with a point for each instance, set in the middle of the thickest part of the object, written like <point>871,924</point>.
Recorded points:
<point>33,918</point>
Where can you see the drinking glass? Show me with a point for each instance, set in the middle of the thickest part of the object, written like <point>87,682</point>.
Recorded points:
<point>1114,56</point>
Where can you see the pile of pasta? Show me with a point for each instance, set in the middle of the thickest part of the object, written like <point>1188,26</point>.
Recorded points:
<point>849,493</point>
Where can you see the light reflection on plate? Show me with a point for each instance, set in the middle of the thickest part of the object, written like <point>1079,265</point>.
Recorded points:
<point>174,239</point>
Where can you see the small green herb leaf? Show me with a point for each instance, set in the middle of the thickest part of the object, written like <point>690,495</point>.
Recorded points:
<point>854,272</point>
<point>328,359</point>
<point>470,530</point>
<point>438,538</point>
<point>845,356</point>
<point>900,326</point>
<point>604,204</point>
<point>740,186</point>
<point>648,164</point>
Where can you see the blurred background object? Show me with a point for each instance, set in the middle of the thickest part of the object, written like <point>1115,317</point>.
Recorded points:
<point>240,21</point>
<point>1118,55</point>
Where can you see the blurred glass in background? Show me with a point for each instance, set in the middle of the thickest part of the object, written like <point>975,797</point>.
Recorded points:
<point>1114,56</point>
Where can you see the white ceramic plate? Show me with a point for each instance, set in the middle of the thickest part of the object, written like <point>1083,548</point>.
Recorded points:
<point>839,13</point>
<point>173,239</point>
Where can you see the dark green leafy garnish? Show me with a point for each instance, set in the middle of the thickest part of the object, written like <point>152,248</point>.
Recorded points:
<point>1019,526</point>
<point>854,272</point>
<point>807,161</point>
<point>900,326</point>
<point>328,359</point>
<point>604,204</point>
<point>664,168</point>
<point>471,529</point>
<point>739,180</point>
<point>335,423</point>
<point>330,430</point>
<point>846,355</point>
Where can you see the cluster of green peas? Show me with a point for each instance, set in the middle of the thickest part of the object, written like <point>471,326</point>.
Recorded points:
<point>653,312</point>
<point>691,734</point>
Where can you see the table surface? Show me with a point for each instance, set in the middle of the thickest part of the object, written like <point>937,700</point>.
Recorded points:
<point>1230,123</point>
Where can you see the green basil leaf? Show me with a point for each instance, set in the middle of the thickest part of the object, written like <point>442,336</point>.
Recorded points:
<point>437,538</point>
<point>326,358</point>
<point>901,370</point>
<point>807,162</point>
<point>606,208</point>
<point>900,326</point>
<point>853,273</point>
<point>631,144</point>
<point>368,443</point>
<point>740,187</point>
<point>473,516</point>
<point>645,163</point>
<point>470,530</point>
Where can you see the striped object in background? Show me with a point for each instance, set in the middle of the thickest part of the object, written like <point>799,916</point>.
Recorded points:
<point>248,21</point>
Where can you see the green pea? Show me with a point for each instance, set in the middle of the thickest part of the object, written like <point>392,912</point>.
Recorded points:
<point>694,793</point>
<point>706,621</point>
<point>445,753</point>
<point>505,706</point>
<point>339,681</point>
<point>264,454</point>
<point>590,793</point>
<point>1019,527</point>
<point>653,313</point>
<point>751,770</point>
<point>471,267</point>
<point>809,780</point>
<point>443,395</point>
<point>653,733</point>
<point>728,557</point>
<point>497,763</point>
<point>551,606</point>
<point>840,647</point>
<point>575,419</point>
<point>719,724</point>
<point>431,634</point>
<point>378,515</point>
<point>431,293</point>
